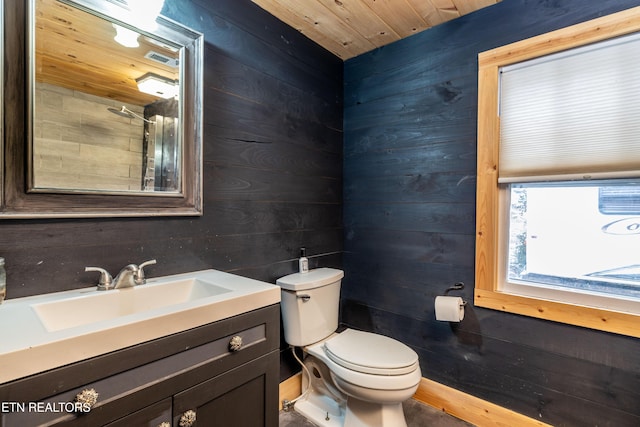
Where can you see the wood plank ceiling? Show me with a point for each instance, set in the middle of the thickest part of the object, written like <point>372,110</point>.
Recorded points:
<point>348,28</point>
<point>76,50</point>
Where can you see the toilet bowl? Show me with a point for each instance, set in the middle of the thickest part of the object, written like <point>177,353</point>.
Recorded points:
<point>352,378</point>
<point>358,379</point>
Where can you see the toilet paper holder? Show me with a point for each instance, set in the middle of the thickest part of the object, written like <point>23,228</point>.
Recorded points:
<point>456,287</point>
<point>450,308</point>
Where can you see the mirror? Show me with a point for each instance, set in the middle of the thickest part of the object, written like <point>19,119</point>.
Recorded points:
<point>113,113</point>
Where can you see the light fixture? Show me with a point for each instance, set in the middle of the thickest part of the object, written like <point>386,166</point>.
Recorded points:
<point>156,85</point>
<point>145,12</point>
<point>143,15</point>
<point>125,36</point>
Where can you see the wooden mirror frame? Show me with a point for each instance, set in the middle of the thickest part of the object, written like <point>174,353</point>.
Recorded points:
<point>15,202</point>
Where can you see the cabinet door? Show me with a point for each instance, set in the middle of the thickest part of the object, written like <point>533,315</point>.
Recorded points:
<point>246,396</point>
<point>151,416</point>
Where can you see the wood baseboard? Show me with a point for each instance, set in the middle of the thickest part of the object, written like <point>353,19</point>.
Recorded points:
<point>470,408</point>
<point>290,388</point>
<point>447,399</point>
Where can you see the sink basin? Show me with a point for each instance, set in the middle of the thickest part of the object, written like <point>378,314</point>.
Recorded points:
<point>82,310</point>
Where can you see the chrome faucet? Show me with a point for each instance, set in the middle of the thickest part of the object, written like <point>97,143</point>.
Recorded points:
<point>131,275</point>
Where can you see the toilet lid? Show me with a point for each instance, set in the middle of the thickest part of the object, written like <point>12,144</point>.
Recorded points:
<point>315,278</point>
<point>370,353</point>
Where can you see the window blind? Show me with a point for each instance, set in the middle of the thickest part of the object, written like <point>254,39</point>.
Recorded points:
<point>572,115</point>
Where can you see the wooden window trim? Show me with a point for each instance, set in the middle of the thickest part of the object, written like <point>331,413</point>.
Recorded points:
<point>488,199</point>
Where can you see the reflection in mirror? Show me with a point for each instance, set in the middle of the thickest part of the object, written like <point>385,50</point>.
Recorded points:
<point>106,105</point>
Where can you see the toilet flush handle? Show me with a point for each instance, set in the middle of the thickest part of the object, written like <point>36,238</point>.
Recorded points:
<point>304,297</point>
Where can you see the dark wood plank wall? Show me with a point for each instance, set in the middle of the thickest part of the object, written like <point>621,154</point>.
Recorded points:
<point>272,169</point>
<point>409,203</point>
<point>273,183</point>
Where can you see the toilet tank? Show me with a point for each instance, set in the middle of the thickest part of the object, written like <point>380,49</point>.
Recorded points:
<point>310,303</point>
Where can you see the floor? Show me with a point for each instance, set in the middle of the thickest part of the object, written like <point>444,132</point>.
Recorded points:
<point>416,413</point>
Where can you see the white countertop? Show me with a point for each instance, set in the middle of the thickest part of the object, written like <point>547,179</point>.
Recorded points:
<point>27,347</point>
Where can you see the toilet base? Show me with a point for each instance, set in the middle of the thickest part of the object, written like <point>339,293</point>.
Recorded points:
<point>321,410</point>
<point>367,414</point>
<point>326,406</point>
<point>323,404</point>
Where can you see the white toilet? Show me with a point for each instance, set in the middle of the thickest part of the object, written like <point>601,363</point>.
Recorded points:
<point>354,378</point>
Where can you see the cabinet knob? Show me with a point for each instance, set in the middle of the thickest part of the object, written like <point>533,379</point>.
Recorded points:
<point>164,424</point>
<point>87,397</point>
<point>188,419</point>
<point>236,343</point>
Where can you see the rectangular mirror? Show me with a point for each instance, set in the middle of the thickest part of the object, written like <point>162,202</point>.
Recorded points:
<point>113,112</point>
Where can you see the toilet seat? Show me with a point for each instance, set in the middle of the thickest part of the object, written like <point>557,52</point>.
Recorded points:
<point>403,377</point>
<point>370,353</point>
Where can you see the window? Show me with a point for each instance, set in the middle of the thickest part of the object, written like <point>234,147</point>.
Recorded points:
<point>558,206</point>
<point>561,245</point>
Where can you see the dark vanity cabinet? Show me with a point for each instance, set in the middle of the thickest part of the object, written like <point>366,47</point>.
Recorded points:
<point>221,374</point>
